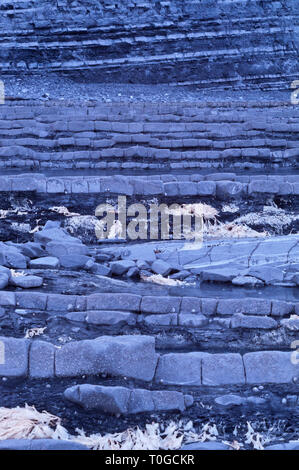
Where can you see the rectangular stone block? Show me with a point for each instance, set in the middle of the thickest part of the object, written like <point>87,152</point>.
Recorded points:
<point>180,369</point>
<point>191,305</point>
<point>248,306</point>
<point>166,319</point>
<point>60,302</point>
<point>7,298</point>
<point>271,367</point>
<point>32,300</point>
<point>13,357</point>
<point>223,369</point>
<point>110,317</point>
<point>125,356</point>
<point>165,304</point>
<point>41,359</point>
<point>281,308</point>
<point>115,301</point>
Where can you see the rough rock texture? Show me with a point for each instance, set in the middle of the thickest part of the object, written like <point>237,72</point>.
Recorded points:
<point>149,136</point>
<point>121,400</point>
<point>202,42</point>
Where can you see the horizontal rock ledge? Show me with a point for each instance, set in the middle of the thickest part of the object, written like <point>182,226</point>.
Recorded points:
<point>134,356</point>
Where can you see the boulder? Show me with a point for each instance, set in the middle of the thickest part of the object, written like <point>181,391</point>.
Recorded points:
<point>61,248</point>
<point>121,267</point>
<point>112,400</point>
<point>26,282</point>
<point>11,257</point>
<point>46,262</point>
<point>161,267</point>
<point>32,250</point>
<point>49,234</point>
<point>74,261</point>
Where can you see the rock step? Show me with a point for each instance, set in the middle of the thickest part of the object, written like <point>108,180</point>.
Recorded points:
<point>121,356</point>
<point>127,302</point>
<point>147,136</point>
<point>230,187</point>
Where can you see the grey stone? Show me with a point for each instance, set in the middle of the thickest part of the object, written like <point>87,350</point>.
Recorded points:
<point>101,269</point>
<point>161,267</point>
<point>156,304</point>
<point>221,274</point>
<point>180,369</point>
<point>291,324</point>
<point>121,267</point>
<point>230,400</point>
<point>192,320</point>
<point>76,316</point>
<point>165,319</point>
<point>110,317</point>
<point>251,321</point>
<point>31,300</point>
<point>13,357</point>
<point>229,190</point>
<point>74,261</point>
<point>41,359</point>
<point>116,356</point>
<point>64,248</point>
<point>3,280</point>
<point>247,281</point>
<point>208,306</point>
<point>132,272</point>
<point>117,301</point>
<point>206,188</point>
<point>32,250</point>
<point>263,186</point>
<point>55,233</point>
<point>211,445</point>
<point>121,400</point>
<point>11,257</point>
<point>181,275</point>
<point>26,282</point>
<point>248,306</point>
<point>268,274</point>
<point>113,400</point>
<point>168,400</point>
<point>141,401</point>
<point>270,367</point>
<point>191,305</point>
<point>222,369</point>
<point>59,302</point>
<point>40,444</point>
<point>256,401</point>
<point>47,262</point>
